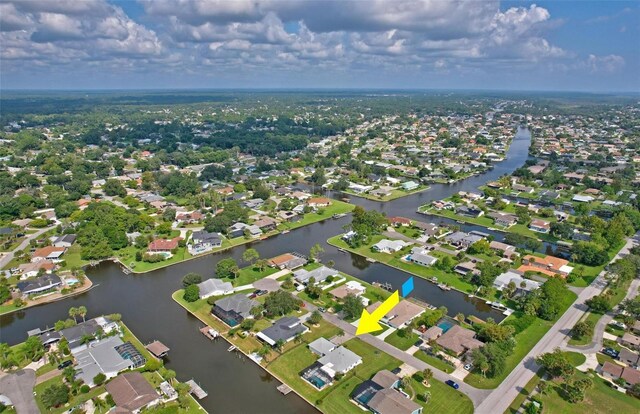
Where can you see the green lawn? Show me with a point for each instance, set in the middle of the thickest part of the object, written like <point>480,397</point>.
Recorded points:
<point>434,361</point>
<point>525,340</point>
<point>444,399</point>
<point>601,398</point>
<point>336,207</point>
<point>452,279</point>
<point>523,395</point>
<point>575,358</point>
<point>584,340</point>
<point>400,342</point>
<point>289,365</point>
<point>250,274</point>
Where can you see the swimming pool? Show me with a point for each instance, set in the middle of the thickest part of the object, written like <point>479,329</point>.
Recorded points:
<point>318,382</point>
<point>365,396</point>
<point>445,325</point>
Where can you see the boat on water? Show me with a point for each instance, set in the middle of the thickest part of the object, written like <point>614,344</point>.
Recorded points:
<point>339,215</point>
<point>371,260</point>
<point>444,286</point>
<point>232,348</point>
<point>286,231</point>
<point>434,279</point>
<point>460,221</point>
<point>340,249</point>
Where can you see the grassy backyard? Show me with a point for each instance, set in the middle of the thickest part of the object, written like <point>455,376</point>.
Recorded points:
<point>400,342</point>
<point>434,361</point>
<point>525,340</point>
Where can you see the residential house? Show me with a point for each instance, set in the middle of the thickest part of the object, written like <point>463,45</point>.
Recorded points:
<point>462,239</point>
<point>410,185</point>
<point>238,229</point>
<point>505,250</point>
<point>76,335</point>
<point>469,211</point>
<point>629,357</point>
<point>548,265</point>
<point>108,356</point>
<point>465,268</point>
<point>522,188</point>
<point>522,285</point>
<point>359,188</point>
<point>28,270</point>
<point>459,340</point>
<point>39,285</point>
<point>613,371</point>
<point>65,241</point>
<point>253,203</point>
<point>319,274</point>
<point>401,315</point>
<point>381,395</point>
<point>189,218</point>
<point>540,226</point>
<point>503,219</point>
<point>214,287</point>
<point>232,310</point>
<point>265,224</point>
<point>288,261</point>
<point>203,241</point>
<point>284,329</point>
<point>318,202</point>
<point>390,246</point>
<point>340,360</point>
<point>131,392</point>
<point>400,221</point>
<point>163,246</point>
<point>289,216</point>
<point>352,287</point>
<point>420,255</point>
<point>321,346</point>
<point>50,253</point>
<point>630,341</point>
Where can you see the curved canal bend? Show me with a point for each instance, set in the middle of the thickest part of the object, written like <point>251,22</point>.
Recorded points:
<point>236,385</point>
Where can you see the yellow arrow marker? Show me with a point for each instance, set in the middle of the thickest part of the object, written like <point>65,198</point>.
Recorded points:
<point>369,321</point>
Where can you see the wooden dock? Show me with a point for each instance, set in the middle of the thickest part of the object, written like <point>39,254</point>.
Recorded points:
<point>209,332</point>
<point>284,389</point>
<point>196,390</point>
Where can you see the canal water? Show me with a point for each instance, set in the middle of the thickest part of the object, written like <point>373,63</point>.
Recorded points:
<point>234,384</point>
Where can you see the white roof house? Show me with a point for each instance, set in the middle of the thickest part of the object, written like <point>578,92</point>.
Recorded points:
<point>214,287</point>
<point>340,360</point>
<point>322,346</point>
<point>510,276</point>
<point>390,246</point>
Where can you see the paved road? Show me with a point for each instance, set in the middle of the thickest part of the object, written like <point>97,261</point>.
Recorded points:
<point>19,388</point>
<point>9,256</point>
<point>598,330</point>
<point>500,399</point>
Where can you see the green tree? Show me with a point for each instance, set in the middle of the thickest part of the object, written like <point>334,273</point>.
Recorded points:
<point>55,395</point>
<point>191,293</point>
<point>315,251</point>
<point>227,268</point>
<point>99,379</point>
<point>250,255</point>
<point>352,306</point>
<point>112,187</point>
<point>191,279</point>
<point>315,317</point>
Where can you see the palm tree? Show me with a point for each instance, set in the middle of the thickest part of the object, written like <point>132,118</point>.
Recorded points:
<point>73,313</point>
<point>169,375</point>
<point>427,374</point>
<point>279,344</point>
<point>298,338</point>
<point>82,311</point>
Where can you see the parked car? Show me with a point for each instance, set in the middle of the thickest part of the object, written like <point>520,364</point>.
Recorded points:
<point>611,352</point>
<point>418,343</point>
<point>468,367</point>
<point>618,324</point>
<point>65,364</point>
<point>452,384</point>
<point>261,292</point>
<point>322,310</point>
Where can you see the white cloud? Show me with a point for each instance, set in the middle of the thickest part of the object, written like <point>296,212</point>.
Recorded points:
<point>608,63</point>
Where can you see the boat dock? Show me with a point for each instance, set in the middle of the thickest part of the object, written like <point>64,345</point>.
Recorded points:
<point>195,389</point>
<point>385,286</point>
<point>284,389</point>
<point>210,332</point>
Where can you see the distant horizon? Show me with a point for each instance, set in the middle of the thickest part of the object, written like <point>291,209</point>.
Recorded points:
<point>320,89</point>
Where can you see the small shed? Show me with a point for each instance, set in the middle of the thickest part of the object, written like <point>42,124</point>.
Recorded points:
<point>158,349</point>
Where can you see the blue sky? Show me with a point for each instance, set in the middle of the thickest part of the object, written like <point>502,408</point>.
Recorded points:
<point>414,44</point>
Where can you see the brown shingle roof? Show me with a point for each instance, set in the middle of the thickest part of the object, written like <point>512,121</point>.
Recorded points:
<point>459,339</point>
<point>131,391</point>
